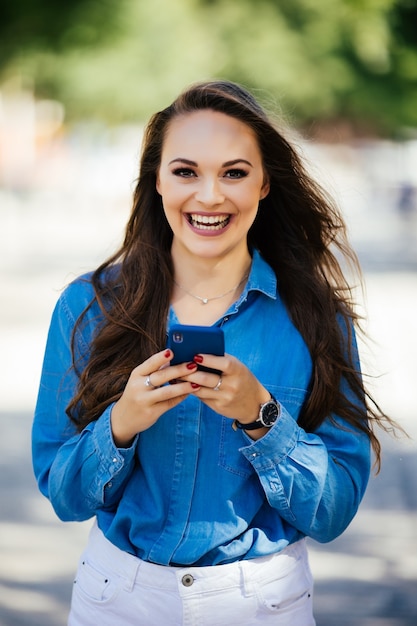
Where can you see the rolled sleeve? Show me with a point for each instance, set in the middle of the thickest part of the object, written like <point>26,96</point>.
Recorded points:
<point>79,472</point>
<point>315,480</point>
<point>88,472</point>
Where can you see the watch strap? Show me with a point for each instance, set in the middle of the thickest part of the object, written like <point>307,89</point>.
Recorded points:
<point>236,425</point>
<point>251,426</point>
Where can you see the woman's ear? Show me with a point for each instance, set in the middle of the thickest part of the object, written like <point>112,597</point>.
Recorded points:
<point>157,183</point>
<point>265,189</point>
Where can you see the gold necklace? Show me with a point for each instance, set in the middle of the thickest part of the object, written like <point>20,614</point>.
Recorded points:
<point>207,300</point>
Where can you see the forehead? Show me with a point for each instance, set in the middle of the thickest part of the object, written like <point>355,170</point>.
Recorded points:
<point>199,130</point>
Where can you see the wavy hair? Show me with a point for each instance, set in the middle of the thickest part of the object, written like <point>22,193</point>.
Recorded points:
<point>298,230</point>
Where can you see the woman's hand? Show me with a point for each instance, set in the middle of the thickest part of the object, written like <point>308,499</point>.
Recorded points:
<point>236,394</point>
<point>147,396</point>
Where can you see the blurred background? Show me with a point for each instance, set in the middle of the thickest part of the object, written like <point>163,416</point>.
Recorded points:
<point>78,80</point>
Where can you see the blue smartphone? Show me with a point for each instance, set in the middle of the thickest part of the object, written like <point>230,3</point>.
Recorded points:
<point>187,341</point>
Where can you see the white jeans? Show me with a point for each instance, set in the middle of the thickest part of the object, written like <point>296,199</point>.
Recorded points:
<point>113,588</point>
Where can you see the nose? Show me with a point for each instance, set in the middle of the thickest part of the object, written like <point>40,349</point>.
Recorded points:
<point>209,192</point>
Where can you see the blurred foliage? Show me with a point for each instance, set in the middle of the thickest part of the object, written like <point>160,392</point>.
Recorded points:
<point>323,61</point>
<point>35,25</point>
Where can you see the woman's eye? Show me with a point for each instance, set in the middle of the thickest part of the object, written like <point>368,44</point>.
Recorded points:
<point>236,173</point>
<point>184,172</point>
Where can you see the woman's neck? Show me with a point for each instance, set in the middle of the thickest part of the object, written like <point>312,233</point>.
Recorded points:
<point>205,288</point>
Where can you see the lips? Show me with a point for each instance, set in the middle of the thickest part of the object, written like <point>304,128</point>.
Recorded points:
<point>208,222</point>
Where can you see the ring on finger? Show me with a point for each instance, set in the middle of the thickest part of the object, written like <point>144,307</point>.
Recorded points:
<point>148,382</point>
<point>219,384</point>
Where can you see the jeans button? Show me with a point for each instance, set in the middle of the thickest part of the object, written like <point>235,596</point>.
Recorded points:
<point>187,580</point>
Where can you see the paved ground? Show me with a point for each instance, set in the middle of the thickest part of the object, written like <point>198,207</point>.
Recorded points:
<point>368,577</point>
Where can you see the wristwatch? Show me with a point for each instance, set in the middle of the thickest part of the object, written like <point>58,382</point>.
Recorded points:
<point>269,412</point>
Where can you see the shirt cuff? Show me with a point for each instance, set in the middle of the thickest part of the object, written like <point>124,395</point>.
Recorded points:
<point>111,459</point>
<point>275,445</point>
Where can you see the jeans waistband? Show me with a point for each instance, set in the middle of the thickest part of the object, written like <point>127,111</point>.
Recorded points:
<point>134,570</point>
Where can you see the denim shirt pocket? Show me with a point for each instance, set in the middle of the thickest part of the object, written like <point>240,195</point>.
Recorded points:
<point>291,398</point>
<point>230,457</point>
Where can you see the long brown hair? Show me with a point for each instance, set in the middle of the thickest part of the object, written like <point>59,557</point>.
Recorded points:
<point>298,231</point>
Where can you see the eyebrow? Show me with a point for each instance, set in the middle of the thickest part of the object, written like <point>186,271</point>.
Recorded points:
<point>226,164</point>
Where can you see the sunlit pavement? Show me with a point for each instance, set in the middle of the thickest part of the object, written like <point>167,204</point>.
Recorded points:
<point>368,577</point>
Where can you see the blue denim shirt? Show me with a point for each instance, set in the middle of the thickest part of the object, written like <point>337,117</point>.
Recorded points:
<point>190,489</point>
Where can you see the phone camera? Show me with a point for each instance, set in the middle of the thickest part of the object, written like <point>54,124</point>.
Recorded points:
<point>177,337</point>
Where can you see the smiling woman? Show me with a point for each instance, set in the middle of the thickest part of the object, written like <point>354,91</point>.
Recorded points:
<point>210,195</point>
<point>205,477</point>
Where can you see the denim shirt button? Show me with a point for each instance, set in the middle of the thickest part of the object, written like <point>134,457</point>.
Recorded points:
<point>187,580</point>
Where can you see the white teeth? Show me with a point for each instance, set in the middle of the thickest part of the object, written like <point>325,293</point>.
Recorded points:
<point>209,222</point>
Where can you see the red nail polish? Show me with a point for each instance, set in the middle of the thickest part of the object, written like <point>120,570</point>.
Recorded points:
<point>195,385</point>
<point>167,354</point>
<point>191,366</point>
<point>198,358</point>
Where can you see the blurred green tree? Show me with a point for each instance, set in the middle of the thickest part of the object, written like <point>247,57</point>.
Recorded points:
<point>28,25</point>
<point>333,60</point>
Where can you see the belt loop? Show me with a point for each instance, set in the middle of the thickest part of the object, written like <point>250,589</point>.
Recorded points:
<point>132,574</point>
<point>246,583</point>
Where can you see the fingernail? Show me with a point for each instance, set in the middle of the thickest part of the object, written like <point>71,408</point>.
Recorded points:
<point>195,385</point>
<point>191,366</point>
<point>198,358</point>
<point>167,354</point>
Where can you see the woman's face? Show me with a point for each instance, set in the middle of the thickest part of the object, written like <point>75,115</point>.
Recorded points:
<point>211,180</point>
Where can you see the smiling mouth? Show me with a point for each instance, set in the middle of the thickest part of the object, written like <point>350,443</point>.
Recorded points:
<point>208,222</point>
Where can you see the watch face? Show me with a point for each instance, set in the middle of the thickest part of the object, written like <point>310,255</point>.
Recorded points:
<point>270,413</point>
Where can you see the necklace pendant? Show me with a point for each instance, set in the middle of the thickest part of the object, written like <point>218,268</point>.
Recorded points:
<point>204,300</point>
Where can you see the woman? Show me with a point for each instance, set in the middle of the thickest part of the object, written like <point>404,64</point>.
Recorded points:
<point>204,490</point>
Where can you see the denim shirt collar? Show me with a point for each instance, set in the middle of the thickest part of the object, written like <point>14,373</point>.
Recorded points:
<point>261,278</point>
